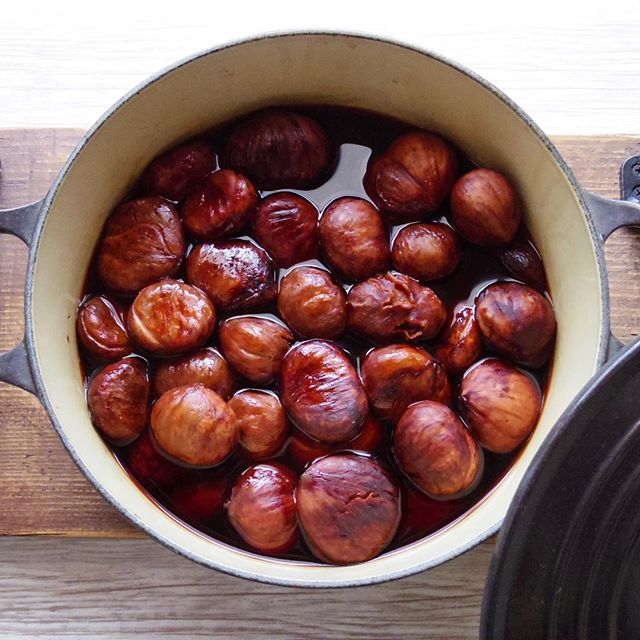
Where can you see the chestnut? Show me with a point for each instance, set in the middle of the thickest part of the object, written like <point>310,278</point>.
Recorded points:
<point>170,317</point>
<point>194,425</point>
<point>413,176</point>
<point>522,261</point>
<point>142,242</point>
<point>312,304</point>
<point>354,238</point>
<point>261,420</point>
<point>262,509</point>
<point>394,306</point>
<point>279,149</point>
<point>460,344</point>
<point>220,207</point>
<point>205,366</point>
<point>398,375</point>
<point>255,347</point>
<point>484,208</point>
<point>321,392</point>
<point>517,322</point>
<point>500,403</point>
<point>150,468</point>
<point>436,451</point>
<point>285,224</point>
<point>348,508</point>
<point>102,330</point>
<point>426,251</point>
<point>236,274</point>
<point>173,173</point>
<point>118,398</point>
<point>200,500</point>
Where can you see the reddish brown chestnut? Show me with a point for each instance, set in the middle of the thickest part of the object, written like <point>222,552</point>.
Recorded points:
<point>255,347</point>
<point>522,261</point>
<point>205,366</point>
<point>261,420</point>
<point>348,507</point>
<point>460,344</point>
<point>150,468</point>
<point>262,509</point>
<point>236,274</point>
<point>176,171</point>
<point>394,306</point>
<point>102,330</point>
<point>279,149</point>
<point>484,208</point>
<point>436,451</point>
<point>426,251</point>
<point>322,393</point>
<point>398,375</point>
<point>413,176</point>
<point>142,242</point>
<point>500,403</point>
<point>354,238</point>
<point>200,500</point>
<point>118,398</point>
<point>194,425</point>
<point>312,304</point>
<point>286,224</point>
<point>517,322</point>
<point>171,317</point>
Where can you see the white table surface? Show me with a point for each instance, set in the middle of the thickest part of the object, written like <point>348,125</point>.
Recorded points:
<point>573,68</point>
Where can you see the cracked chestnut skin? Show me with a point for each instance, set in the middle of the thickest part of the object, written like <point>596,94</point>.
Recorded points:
<point>286,225</point>
<point>171,317</point>
<point>322,393</point>
<point>522,261</point>
<point>460,344</point>
<point>262,422</point>
<point>426,251</point>
<point>194,425</point>
<point>394,306</point>
<point>174,173</point>
<point>118,398</point>
<point>255,347</point>
<point>413,176</point>
<point>262,508</point>
<point>398,375</point>
<point>312,304</point>
<point>348,507</point>
<point>354,238</point>
<point>484,208</point>
<point>436,451</point>
<point>142,242</point>
<point>500,403</point>
<point>517,322</point>
<point>279,149</point>
<point>236,274</point>
<point>205,366</point>
<point>102,329</point>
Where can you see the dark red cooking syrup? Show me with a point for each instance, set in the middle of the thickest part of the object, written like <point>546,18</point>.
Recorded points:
<point>356,135</point>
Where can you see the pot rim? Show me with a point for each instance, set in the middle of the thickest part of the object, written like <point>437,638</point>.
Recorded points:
<point>52,193</point>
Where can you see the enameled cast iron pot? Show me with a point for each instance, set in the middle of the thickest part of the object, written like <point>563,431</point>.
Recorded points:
<point>568,225</point>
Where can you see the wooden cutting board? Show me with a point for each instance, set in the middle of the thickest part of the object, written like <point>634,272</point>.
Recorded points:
<point>41,490</point>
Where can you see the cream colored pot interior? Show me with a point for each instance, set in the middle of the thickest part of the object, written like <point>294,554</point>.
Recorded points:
<point>330,69</point>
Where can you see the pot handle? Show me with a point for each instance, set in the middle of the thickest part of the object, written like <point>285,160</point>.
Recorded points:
<point>14,365</point>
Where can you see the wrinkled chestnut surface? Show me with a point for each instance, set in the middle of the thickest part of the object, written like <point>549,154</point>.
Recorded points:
<point>500,403</point>
<point>394,306</point>
<point>522,261</point>
<point>398,375</point>
<point>322,393</point>
<point>236,274</point>
<point>285,224</point>
<point>460,344</point>
<point>517,322</point>
<point>102,329</point>
<point>142,242</point>
<point>262,509</point>
<point>354,239</point>
<point>279,149</point>
<point>436,451</point>
<point>255,347</point>
<point>312,304</point>
<point>348,507</point>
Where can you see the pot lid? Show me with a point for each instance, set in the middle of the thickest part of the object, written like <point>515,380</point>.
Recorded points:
<point>567,560</point>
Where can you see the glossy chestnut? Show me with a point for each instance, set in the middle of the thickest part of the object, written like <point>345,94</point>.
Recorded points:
<point>523,262</point>
<point>460,344</point>
<point>102,330</point>
<point>150,468</point>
